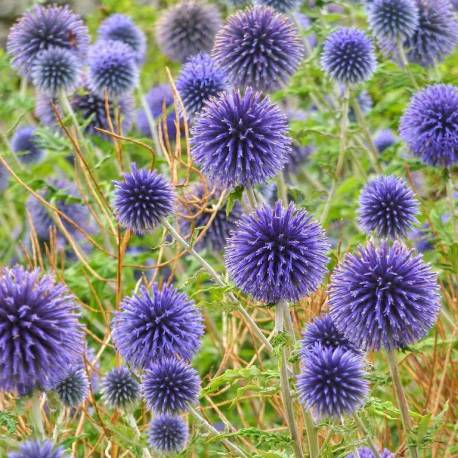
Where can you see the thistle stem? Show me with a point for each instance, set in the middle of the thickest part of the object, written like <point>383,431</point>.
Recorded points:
<point>36,418</point>
<point>405,63</point>
<point>209,428</point>
<point>403,407</point>
<point>217,278</point>
<point>151,122</point>
<point>251,197</point>
<point>133,424</point>
<point>367,436</point>
<point>282,189</point>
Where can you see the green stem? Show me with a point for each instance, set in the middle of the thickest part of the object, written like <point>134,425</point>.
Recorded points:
<point>251,197</point>
<point>133,424</point>
<point>342,148</point>
<point>284,381</point>
<point>209,428</point>
<point>59,422</point>
<point>367,436</point>
<point>403,407</point>
<point>36,418</point>
<point>451,202</point>
<point>282,189</point>
<point>405,64</point>
<point>254,327</point>
<point>151,122</point>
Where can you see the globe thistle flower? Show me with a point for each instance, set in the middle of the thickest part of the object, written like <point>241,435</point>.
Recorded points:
<point>429,125</point>
<point>384,139</point>
<point>422,238</point>
<point>155,324</point>
<point>322,331</point>
<point>40,336</point>
<point>119,27</point>
<point>221,226</point>
<point>387,206</point>
<point>384,297</point>
<point>240,139</point>
<point>168,434</point>
<point>365,102</point>
<point>332,382</point>
<point>393,19</point>
<point>297,157</point>
<point>37,449</point>
<point>277,254</point>
<point>44,109</point>
<point>24,144</point>
<point>258,47</point>
<point>56,70</point>
<point>113,71</point>
<point>282,6</point>
<point>73,389</point>
<point>187,28</point>
<point>119,388</point>
<point>169,385</point>
<point>435,37</point>
<point>45,27</point>
<point>199,80</point>
<point>348,56</point>
<point>366,452</point>
<point>142,199</point>
<point>41,215</point>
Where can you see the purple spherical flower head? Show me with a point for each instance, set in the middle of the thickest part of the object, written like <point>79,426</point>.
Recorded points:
<point>187,28</point>
<point>429,126</point>
<point>119,388</point>
<point>393,19</point>
<point>200,79</point>
<point>282,6</point>
<point>422,238</point>
<point>332,382</point>
<point>322,331</point>
<point>37,449</point>
<point>258,48</point>
<point>169,385</point>
<point>73,389</point>
<point>40,336</point>
<point>113,71</point>
<point>155,324</point>
<point>142,199</point>
<point>240,139</point>
<point>435,37</point>
<point>168,434</point>
<point>366,452</point>
<point>45,27</point>
<point>384,139</point>
<point>388,207</point>
<point>24,144</point>
<point>348,56</point>
<point>384,297</point>
<point>119,27</point>
<point>197,214</point>
<point>277,254</point>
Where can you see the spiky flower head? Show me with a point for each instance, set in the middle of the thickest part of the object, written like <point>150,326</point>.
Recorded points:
<point>168,434</point>
<point>282,6</point>
<point>119,27</point>
<point>45,27</point>
<point>258,48</point>
<point>277,254</point>
<point>332,382</point>
<point>388,207</point>
<point>366,452</point>
<point>64,196</point>
<point>169,385</point>
<point>56,70</point>
<point>197,213</point>
<point>200,79</point>
<point>73,389</point>
<point>384,139</point>
<point>240,139</point>
<point>40,336</point>
<point>113,71</point>
<point>119,388</point>
<point>429,125</point>
<point>157,323</point>
<point>435,37</point>
<point>393,19</point>
<point>187,28</point>
<point>142,199</point>
<point>384,297</point>
<point>25,145</point>
<point>348,56</point>
<point>322,331</point>
<point>37,449</point>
